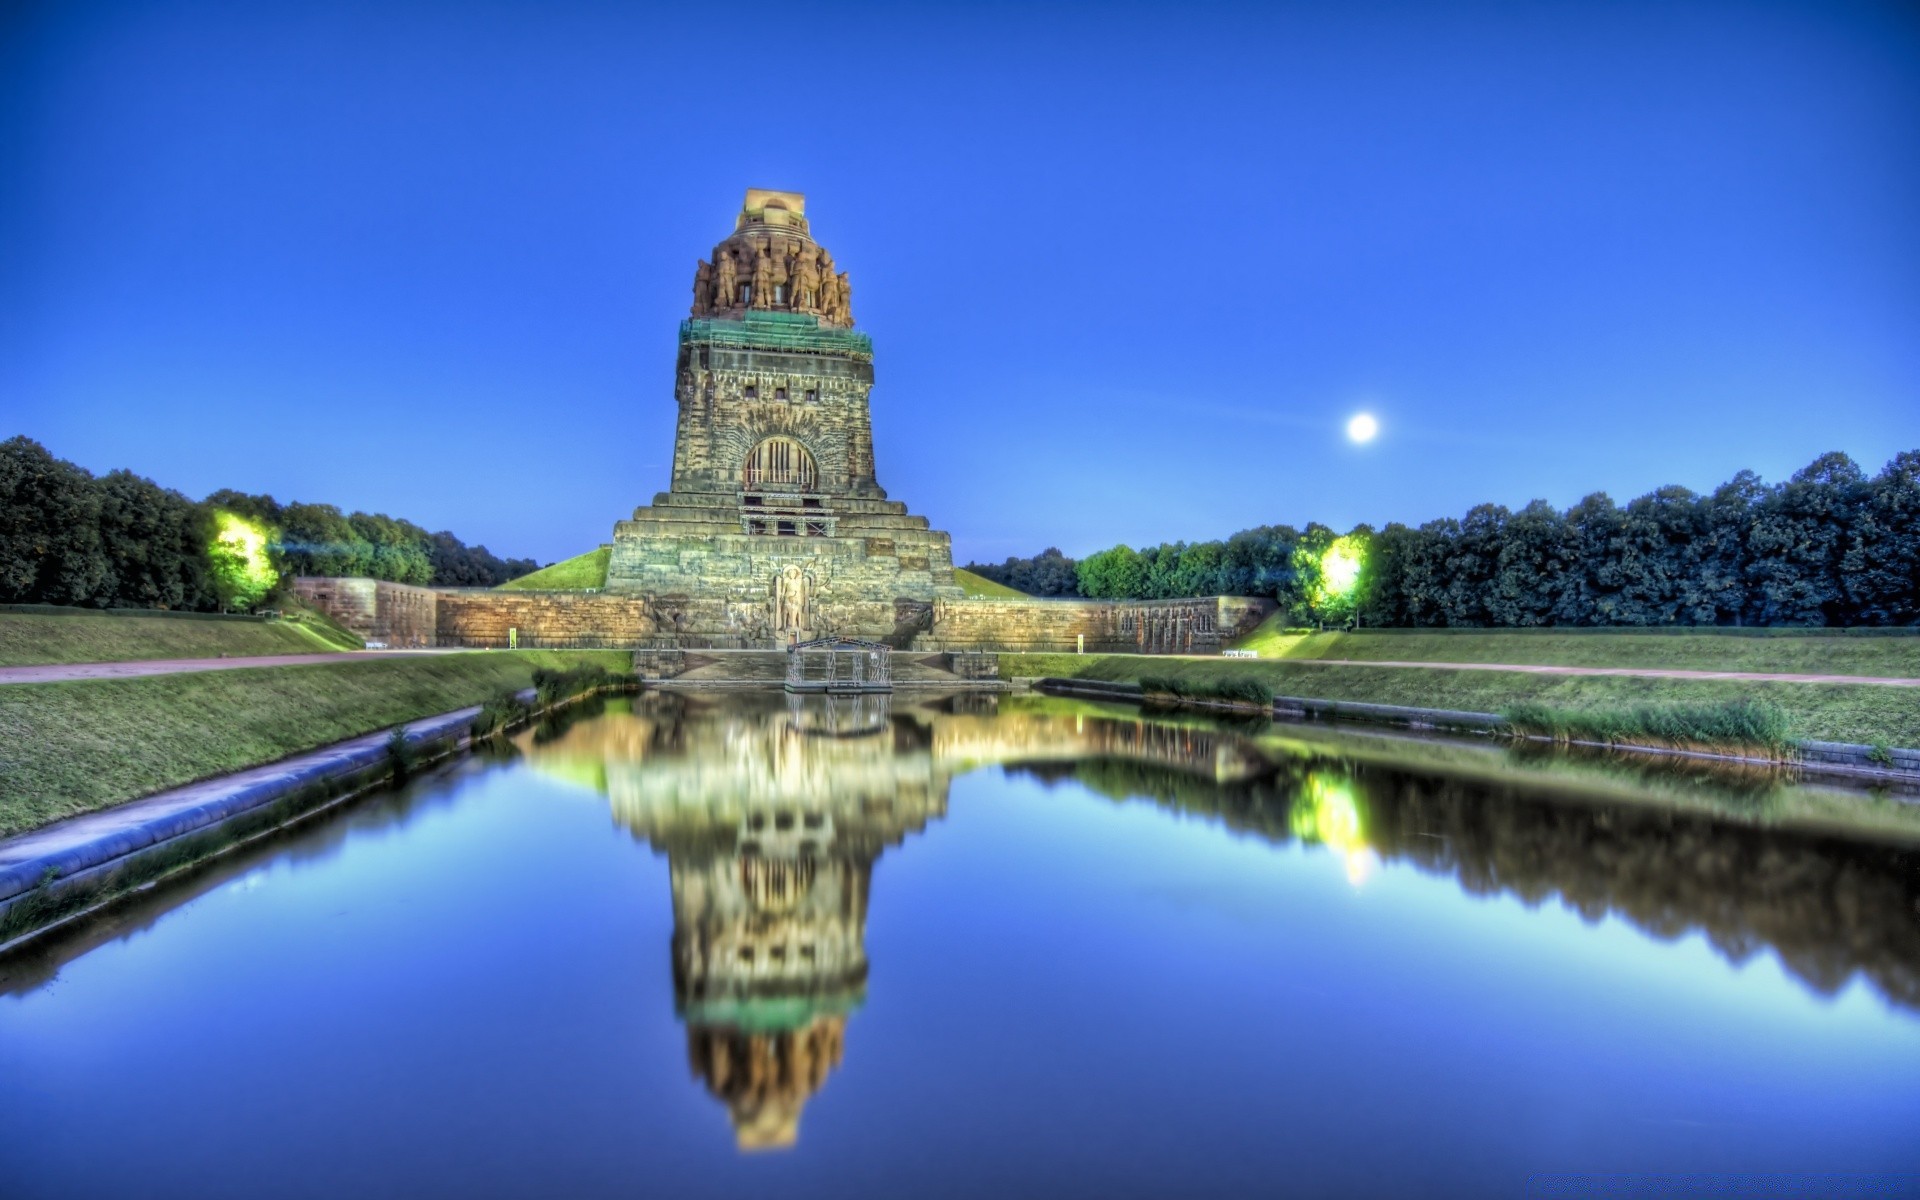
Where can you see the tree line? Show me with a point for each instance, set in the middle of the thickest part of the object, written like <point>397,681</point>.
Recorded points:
<point>1830,546</point>
<point>122,541</point>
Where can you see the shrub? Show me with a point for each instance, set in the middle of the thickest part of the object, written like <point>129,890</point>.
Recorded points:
<point>1733,724</point>
<point>500,714</point>
<point>1238,690</point>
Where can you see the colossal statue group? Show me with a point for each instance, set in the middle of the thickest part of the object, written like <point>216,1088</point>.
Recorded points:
<point>781,273</point>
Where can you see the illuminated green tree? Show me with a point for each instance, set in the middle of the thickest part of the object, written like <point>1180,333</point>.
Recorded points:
<point>237,561</point>
<point>1331,574</point>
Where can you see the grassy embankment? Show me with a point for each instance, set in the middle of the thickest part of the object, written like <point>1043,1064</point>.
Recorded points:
<point>1867,713</point>
<point>1785,651</point>
<point>79,636</point>
<point>68,748</point>
<point>980,585</point>
<point>587,570</point>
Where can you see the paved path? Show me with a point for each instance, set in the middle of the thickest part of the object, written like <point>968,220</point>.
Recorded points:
<point>60,672</point>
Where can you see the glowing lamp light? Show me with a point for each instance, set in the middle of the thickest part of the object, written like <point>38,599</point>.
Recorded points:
<point>1362,428</point>
<point>1340,565</point>
<point>1329,812</point>
<point>241,569</point>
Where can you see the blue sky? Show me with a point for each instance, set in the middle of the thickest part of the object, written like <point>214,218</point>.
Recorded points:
<point>1128,268</point>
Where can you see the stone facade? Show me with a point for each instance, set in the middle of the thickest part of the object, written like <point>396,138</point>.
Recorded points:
<point>1201,625</point>
<point>775,526</point>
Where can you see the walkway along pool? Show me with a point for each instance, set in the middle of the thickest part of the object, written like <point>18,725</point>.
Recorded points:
<point>730,943</point>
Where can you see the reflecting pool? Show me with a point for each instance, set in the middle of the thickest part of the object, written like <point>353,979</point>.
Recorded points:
<point>724,945</point>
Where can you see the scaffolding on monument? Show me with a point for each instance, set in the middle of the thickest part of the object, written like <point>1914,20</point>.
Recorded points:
<point>839,665</point>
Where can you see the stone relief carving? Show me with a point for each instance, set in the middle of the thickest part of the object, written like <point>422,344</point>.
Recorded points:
<point>793,599</point>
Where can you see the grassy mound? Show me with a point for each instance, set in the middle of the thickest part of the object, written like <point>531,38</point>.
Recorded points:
<point>574,574</point>
<point>80,636</point>
<point>1785,651</point>
<point>68,748</point>
<point>980,585</point>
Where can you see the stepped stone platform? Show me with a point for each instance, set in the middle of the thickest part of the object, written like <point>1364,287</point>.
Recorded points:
<point>767,669</point>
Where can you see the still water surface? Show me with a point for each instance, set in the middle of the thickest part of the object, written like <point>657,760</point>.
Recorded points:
<point>721,946</point>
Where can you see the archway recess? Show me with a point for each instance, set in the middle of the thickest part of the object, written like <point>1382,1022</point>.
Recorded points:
<point>780,462</point>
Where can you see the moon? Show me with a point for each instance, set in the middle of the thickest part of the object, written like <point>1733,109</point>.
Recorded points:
<point>1361,428</point>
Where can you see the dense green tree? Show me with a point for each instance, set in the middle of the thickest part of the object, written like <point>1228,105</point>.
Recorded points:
<point>1827,547</point>
<point>1383,601</point>
<point>1797,540</point>
<point>1717,591</point>
<point>121,540</point>
<point>1656,548</point>
<point>1881,566</point>
<point>1115,574</point>
<point>155,543</point>
<point>318,539</point>
<point>1530,566</point>
<point>456,564</point>
<point>50,536</point>
<point>1048,573</point>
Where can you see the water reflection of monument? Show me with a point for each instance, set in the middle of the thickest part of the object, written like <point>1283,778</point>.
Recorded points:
<point>771,816</point>
<point>773,810</point>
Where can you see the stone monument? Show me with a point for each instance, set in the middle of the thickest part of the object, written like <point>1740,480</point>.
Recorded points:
<point>774,527</point>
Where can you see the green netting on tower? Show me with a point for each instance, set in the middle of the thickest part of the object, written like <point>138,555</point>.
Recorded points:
<point>776,331</point>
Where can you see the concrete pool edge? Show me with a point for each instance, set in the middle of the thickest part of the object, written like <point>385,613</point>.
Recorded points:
<point>1838,760</point>
<point>64,871</point>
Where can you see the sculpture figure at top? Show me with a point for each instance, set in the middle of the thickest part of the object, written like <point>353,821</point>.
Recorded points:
<point>772,258</point>
<point>762,296</point>
<point>702,287</point>
<point>806,282</point>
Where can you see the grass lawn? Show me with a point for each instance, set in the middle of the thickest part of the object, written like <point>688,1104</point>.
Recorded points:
<point>68,748</point>
<point>1820,652</point>
<point>27,638</point>
<point>979,585</point>
<point>1826,711</point>
<point>587,570</point>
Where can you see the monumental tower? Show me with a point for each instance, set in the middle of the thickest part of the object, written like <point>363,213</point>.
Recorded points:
<point>774,526</point>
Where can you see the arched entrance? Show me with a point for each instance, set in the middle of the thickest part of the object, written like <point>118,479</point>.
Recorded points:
<point>780,462</point>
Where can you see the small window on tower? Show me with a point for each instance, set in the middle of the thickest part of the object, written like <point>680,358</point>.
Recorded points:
<point>746,293</point>
<point>779,393</point>
<point>753,391</point>
<point>813,396</point>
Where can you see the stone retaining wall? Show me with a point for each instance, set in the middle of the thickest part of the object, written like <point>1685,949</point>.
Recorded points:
<point>1200,625</point>
<point>398,614</point>
<point>558,619</point>
<point>402,615</point>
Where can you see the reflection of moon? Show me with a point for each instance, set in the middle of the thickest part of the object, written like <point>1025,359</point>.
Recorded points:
<point>1362,427</point>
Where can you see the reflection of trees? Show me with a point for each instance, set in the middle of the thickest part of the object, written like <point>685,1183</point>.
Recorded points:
<point>1830,907</point>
